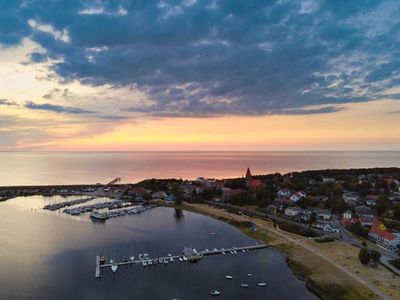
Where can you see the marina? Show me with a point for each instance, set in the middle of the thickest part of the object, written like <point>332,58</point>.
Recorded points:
<point>188,255</point>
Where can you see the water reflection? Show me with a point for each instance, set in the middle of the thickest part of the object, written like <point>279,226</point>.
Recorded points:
<point>178,214</point>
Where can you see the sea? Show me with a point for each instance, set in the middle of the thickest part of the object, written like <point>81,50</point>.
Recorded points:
<point>45,168</point>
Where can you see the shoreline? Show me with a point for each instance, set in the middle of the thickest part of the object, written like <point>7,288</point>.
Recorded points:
<point>325,282</point>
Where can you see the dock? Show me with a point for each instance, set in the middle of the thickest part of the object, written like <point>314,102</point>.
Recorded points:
<point>189,255</point>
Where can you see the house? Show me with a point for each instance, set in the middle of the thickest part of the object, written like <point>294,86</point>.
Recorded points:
<point>298,196</point>
<point>284,193</point>
<point>330,228</point>
<point>292,211</point>
<point>324,214</point>
<point>305,215</point>
<point>364,211</point>
<point>351,198</point>
<point>384,238</point>
<point>371,200</point>
<point>347,215</point>
<point>328,180</point>
<point>159,195</point>
<point>251,182</point>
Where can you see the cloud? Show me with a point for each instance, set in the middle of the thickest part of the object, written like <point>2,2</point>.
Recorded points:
<point>208,58</point>
<point>8,102</point>
<point>56,108</point>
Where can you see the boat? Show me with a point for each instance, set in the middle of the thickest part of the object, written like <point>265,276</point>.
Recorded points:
<point>185,258</point>
<point>262,284</point>
<point>149,262</point>
<point>111,261</point>
<point>250,275</point>
<point>165,261</point>
<point>114,268</point>
<point>228,277</point>
<point>213,233</point>
<point>102,260</point>
<point>180,259</point>
<point>132,258</point>
<point>244,285</point>
<point>144,263</point>
<point>215,293</point>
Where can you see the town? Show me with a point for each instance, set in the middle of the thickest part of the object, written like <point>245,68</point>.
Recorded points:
<point>357,206</point>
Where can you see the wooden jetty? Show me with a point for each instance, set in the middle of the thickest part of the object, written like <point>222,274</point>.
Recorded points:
<point>190,257</point>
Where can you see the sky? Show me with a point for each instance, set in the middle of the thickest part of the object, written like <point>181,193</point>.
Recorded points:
<point>125,75</point>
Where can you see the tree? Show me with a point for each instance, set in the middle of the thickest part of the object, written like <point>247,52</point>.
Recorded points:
<point>382,204</point>
<point>364,256</point>
<point>375,256</point>
<point>313,218</point>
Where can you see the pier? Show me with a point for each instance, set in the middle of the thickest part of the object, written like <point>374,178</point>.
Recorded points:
<point>188,255</point>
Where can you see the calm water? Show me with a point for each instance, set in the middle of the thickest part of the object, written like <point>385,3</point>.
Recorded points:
<point>48,255</point>
<point>25,168</point>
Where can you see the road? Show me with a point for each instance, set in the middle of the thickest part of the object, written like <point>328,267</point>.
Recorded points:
<point>325,258</point>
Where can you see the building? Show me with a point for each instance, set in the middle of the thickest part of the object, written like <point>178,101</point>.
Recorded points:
<point>347,215</point>
<point>328,180</point>
<point>383,238</point>
<point>371,200</point>
<point>284,193</point>
<point>364,211</point>
<point>292,211</point>
<point>351,198</point>
<point>298,196</point>
<point>251,182</point>
<point>324,214</point>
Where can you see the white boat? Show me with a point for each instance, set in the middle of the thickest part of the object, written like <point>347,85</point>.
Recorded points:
<point>223,253</point>
<point>114,268</point>
<point>185,258</point>
<point>169,255</point>
<point>228,277</point>
<point>262,284</point>
<point>132,258</point>
<point>180,259</point>
<point>144,263</point>
<point>213,233</point>
<point>150,262</point>
<point>215,293</point>
<point>140,256</point>
<point>165,261</point>
<point>111,261</point>
<point>250,275</point>
<point>244,285</point>
<point>243,251</point>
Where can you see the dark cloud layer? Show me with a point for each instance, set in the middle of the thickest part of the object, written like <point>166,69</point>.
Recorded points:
<point>204,58</point>
<point>56,108</point>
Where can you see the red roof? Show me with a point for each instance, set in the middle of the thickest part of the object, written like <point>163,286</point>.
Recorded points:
<point>376,228</point>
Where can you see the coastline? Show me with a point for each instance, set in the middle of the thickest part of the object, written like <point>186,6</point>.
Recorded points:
<point>322,279</point>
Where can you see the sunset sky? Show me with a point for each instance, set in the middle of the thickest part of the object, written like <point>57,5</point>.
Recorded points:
<point>199,75</point>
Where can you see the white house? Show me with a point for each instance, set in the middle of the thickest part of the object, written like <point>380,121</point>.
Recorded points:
<point>284,193</point>
<point>292,211</point>
<point>159,195</point>
<point>347,215</point>
<point>324,214</point>
<point>328,180</point>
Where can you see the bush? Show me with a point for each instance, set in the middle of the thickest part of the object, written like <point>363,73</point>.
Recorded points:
<point>297,229</point>
<point>375,256</point>
<point>364,256</point>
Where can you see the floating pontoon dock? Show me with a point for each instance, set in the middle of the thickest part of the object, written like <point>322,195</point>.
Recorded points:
<point>191,255</point>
